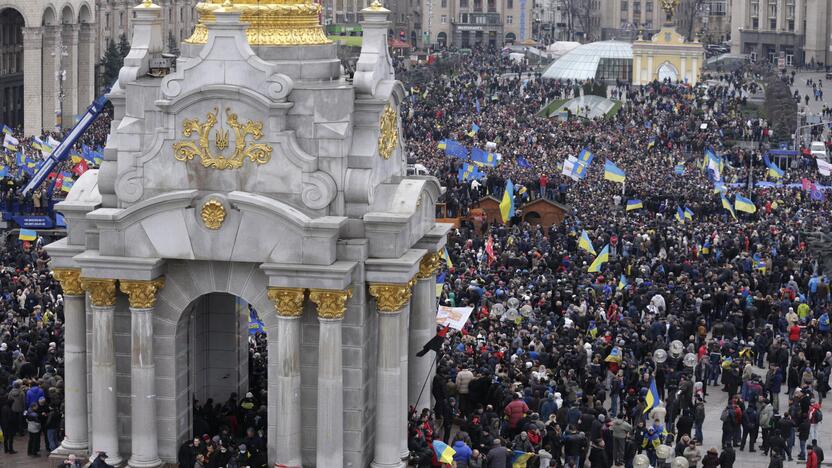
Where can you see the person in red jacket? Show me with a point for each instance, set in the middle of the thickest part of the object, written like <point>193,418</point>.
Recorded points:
<point>515,411</point>
<point>812,458</point>
<point>794,335</point>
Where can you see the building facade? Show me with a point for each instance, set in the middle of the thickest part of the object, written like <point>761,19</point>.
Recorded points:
<point>787,32</point>
<point>48,62</point>
<point>471,23</point>
<point>113,18</point>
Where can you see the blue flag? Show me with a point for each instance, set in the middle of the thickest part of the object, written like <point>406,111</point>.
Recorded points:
<point>521,161</point>
<point>483,157</point>
<point>255,325</point>
<point>455,149</point>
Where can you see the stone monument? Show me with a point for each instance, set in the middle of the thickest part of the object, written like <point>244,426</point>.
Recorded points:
<point>257,173</point>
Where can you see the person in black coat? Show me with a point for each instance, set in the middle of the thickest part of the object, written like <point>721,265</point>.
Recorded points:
<point>8,424</point>
<point>727,457</point>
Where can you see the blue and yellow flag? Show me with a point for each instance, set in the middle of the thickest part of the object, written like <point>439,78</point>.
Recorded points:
<point>507,204</point>
<point>27,235</point>
<point>634,204</point>
<point>455,149</point>
<point>744,204</point>
<point>444,453</point>
<point>680,215</point>
<point>613,172</point>
<point>679,169</point>
<point>652,142</point>
<point>520,459</point>
<point>622,282</point>
<point>586,156</point>
<point>474,129</point>
<point>759,263</point>
<point>585,244</point>
<point>688,213</point>
<point>727,205</point>
<point>523,162</point>
<point>440,283</point>
<point>469,171</point>
<point>652,398</point>
<point>7,130</point>
<point>601,259</point>
<point>483,157</point>
<point>255,325</point>
<point>444,254</point>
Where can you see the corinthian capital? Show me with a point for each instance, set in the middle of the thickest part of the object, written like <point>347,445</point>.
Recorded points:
<point>142,294</point>
<point>391,297</point>
<point>288,302</point>
<point>70,279</point>
<point>428,265</point>
<point>332,304</point>
<point>102,291</point>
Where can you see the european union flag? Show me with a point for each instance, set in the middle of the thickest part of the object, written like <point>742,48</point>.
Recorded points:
<point>679,169</point>
<point>521,161</point>
<point>455,149</point>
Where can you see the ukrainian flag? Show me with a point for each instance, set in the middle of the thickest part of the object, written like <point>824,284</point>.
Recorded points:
<point>634,205</point>
<point>255,325</point>
<point>444,254</point>
<point>585,244</point>
<point>688,213</point>
<point>520,459</point>
<point>680,215</point>
<point>7,130</point>
<point>67,184</point>
<point>442,145</point>
<point>613,172</point>
<point>759,263</point>
<point>586,156</point>
<point>474,129</point>
<point>744,204</point>
<point>651,143</point>
<point>719,187</point>
<point>727,205</point>
<point>507,204</point>
<point>775,171</point>
<point>652,398</point>
<point>27,235</point>
<point>440,283</point>
<point>622,282</point>
<point>601,259</point>
<point>444,453</point>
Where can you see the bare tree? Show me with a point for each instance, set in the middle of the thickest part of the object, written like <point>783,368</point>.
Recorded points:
<point>687,16</point>
<point>578,17</point>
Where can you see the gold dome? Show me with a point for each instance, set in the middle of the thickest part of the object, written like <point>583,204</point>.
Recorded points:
<point>272,22</point>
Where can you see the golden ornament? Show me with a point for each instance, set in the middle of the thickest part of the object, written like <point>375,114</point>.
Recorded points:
<point>142,294</point>
<point>102,291</point>
<point>70,279</point>
<point>258,153</point>
<point>288,302</point>
<point>213,214</point>
<point>388,132</point>
<point>331,304</point>
<point>390,297</point>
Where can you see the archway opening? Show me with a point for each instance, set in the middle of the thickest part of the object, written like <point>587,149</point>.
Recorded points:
<point>226,364</point>
<point>11,67</point>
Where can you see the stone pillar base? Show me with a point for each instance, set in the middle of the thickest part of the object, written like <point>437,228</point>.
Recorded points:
<point>143,464</point>
<point>400,464</point>
<point>68,448</point>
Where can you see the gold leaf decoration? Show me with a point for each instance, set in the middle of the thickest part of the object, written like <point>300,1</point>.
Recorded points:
<point>388,133</point>
<point>213,214</point>
<point>331,304</point>
<point>142,294</point>
<point>257,153</point>
<point>390,298</point>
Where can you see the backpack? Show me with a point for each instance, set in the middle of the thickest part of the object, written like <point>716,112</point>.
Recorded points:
<point>726,415</point>
<point>818,417</point>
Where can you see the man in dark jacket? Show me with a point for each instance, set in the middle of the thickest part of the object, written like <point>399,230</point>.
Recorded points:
<point>727,457</point>
<point>498,455</point>
<point>598,455</point>
<point>750,427</point>
<point>8,424</point>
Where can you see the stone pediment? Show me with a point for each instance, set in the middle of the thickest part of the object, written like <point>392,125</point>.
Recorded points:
<point>221,126</point>
<point>236,225</point>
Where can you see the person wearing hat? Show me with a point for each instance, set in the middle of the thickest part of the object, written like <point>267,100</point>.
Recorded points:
<point>100,461</point>
<point>711,459</point>
<point>498,455</point>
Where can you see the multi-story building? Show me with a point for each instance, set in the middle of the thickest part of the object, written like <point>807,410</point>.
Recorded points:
<point>469,23</point>
<point>796,30</point>
<point>113,20</point>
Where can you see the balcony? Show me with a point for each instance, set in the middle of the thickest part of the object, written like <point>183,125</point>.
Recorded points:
<point>480,19</point>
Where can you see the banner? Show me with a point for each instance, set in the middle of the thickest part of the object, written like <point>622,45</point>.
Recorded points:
<point>454,317</point>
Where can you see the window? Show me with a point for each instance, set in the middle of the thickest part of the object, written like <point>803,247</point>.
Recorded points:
<point>492,6</point>
<point>755,23</point>
<point>789,60</point>
<point>444,19</point>
<point>636,7</point>
<point>790,9</point>
<point>791,25</point>
<point>444,3</point>
<point>509,19</point>
<point>772,23</point>
<point>510,4</point>
<point>755,9</point>
<point>463,3</point>
<point>624,5</point>
<point>648,7</point>
<point>772,9</point>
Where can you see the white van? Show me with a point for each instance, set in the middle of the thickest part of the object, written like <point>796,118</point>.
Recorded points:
<point>818,150</point>
<point>417,169</point>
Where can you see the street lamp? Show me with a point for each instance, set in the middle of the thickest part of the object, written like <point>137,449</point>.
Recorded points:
<point>61,51</point>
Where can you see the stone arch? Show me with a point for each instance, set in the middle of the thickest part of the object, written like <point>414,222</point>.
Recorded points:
<point>667,70</point>
<point>85,14</point>
<point>186,283</point>
<point>49,18</point>
<point>511,37</point>
<point>4,7</point>
<point>14,30</point>
<point>67,15</point>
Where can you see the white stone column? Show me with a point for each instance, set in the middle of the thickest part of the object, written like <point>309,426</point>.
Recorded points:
<point>637,68</point>
<point>422,329</point>
<point>684,62</point>
<point>76,439</point>
<point>50,79</point>
<point>86,65</point>
<point>102,293</point>
<point>143,428</point>
<point>32,91</point>
<point>651,74</point>
<point>69,39</point>
<point>391,302</point>
<point>404,348</point>
<point>288,303</point>
<point>332,305</point>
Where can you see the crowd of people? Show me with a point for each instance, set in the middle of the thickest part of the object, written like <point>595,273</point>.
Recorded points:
<point>602,368</point>
<point>558,365</point>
